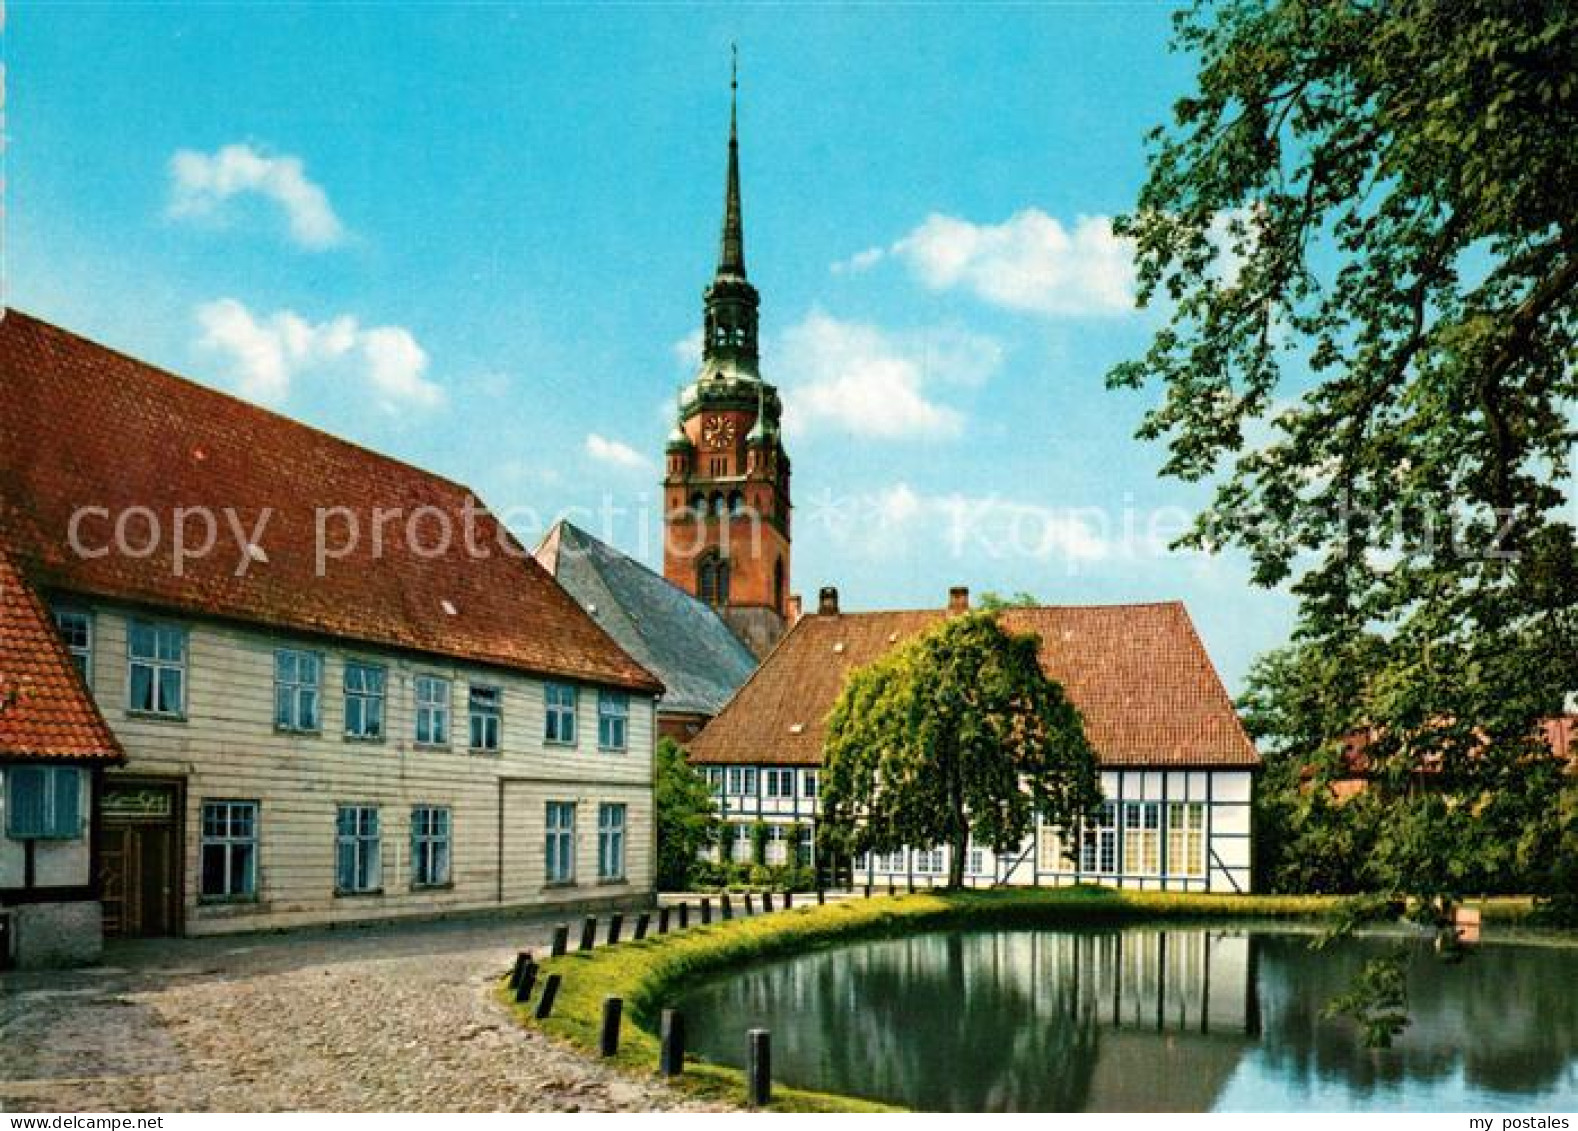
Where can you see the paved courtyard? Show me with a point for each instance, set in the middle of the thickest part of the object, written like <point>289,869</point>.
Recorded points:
<point>369,1019</point>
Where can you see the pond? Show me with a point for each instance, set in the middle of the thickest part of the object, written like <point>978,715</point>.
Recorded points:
<point>1137,1019</point>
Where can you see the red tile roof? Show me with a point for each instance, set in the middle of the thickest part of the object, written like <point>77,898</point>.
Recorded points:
<point>1138,674</point>
<point>46,711</point>
<point>82,425</point>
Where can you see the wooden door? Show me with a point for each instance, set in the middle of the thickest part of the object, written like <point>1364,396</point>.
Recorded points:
<point>140,862</point>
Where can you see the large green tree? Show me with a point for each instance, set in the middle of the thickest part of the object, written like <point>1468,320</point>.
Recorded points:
<point>687,817</point>
<point>956,735</point>
<point>1363,230</point>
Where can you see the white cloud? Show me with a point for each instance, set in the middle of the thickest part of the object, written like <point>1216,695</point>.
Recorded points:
<point>267,354</point>
<point>860,261</point>
<point>898,521</point>
<point>201,184</point>
<point>614,452</point>
<point>688,350</point>
<point>1031,262</point>
<point>865,380</point>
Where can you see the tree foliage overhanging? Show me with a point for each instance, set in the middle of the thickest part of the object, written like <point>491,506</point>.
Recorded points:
<point>1364,227</point>
<point>956,736</point>
<point>686,816</point>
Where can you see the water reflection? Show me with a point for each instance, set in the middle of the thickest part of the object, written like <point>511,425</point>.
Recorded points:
<point>1137,1019</point>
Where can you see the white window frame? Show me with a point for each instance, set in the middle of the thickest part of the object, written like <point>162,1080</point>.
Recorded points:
<point>1186,838</point>
<point>611,818</point>
<point>779,784</point>
<point>433,695</point>
<point>486,716</point>
<point>560,702</point>
<point>81,653</point>
<point>613,721</point>
<point>372,705</point>
<point>219,823</point>
<point>432,846</point>
<point>1142,837</point>
<point>364,841</point>
<point>809,784</point>
<point>298,700</point>
<point>931,861</point>
<point>559,847</point>
<point>742,781</point>
<point>158,666</point>
<point>1098,843</point>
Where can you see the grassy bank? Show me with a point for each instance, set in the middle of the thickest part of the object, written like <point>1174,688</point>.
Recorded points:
<point>652,973</point>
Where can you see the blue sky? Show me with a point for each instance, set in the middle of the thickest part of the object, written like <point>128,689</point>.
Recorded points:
<point>475,237</point>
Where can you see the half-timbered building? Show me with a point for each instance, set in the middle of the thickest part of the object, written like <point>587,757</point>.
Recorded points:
<point>1177,768</point>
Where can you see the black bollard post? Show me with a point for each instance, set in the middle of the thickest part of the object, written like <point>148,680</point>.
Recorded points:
<point>662,921</point>
<point>589,933</point>
<point>891,889</point>
<point>728,907</point>
<point>684,916</point>
<point>671,1053</point>
<point>522,960</point>
<point>561,939</point>
<point>528,980</point>
<point>616,923</point>
<point>706,912</point>
<point>821,897</point>
<point>550,990</point>
<point>767,902</point>
<point>749,910</point>
<point>868,891</point>
<point>912,885</point>
<point>613,1010</point>
<point>643,920</point>
<point>759,1068</point>
<point>788,900</point>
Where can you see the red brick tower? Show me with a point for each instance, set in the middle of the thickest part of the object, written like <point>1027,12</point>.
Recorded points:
<point>726,490</point>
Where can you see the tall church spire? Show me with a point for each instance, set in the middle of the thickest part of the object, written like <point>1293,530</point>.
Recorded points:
<point>729,331</point>
<point>731,257</point>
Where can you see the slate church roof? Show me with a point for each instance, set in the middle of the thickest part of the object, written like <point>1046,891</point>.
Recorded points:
<point>46,711</point>
<point>1138,674</point>
<point>82,425</point>
<point>678,638</point>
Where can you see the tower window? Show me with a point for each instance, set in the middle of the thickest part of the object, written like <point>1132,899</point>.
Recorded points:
<point>736,504</point>
<point>778,585</point>
<point>698,504</point>
<point>718,504</point>
<point>713,579</point>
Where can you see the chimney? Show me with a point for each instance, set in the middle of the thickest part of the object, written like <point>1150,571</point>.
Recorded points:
<point>827,602</point>
<point>959,599</point>
<point>794,608</point>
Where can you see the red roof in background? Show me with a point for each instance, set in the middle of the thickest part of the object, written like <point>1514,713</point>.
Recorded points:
<point>1560,734</point>
<point>46,711</point>
<point>1138,674</point>
<point>82,425</point>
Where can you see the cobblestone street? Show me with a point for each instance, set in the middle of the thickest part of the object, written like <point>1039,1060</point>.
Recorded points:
<point>388,1018</point>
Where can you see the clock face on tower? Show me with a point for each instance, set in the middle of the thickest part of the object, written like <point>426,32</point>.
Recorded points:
<point>717,431</point>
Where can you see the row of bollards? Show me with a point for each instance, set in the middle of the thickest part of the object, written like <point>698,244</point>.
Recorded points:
<point>671,1049</point>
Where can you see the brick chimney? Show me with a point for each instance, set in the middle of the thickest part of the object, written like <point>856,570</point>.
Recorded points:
<point>795,609</point>
<point>827,602</point>
<point>959,600</point>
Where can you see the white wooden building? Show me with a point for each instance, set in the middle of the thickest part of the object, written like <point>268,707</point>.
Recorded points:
<point>318,728</point>
<point>1177,769</point>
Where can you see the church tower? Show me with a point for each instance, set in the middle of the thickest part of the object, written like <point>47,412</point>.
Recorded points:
<point>726,489</point>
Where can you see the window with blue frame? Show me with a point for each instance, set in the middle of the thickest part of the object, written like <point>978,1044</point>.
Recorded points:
<point>43,802</point>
